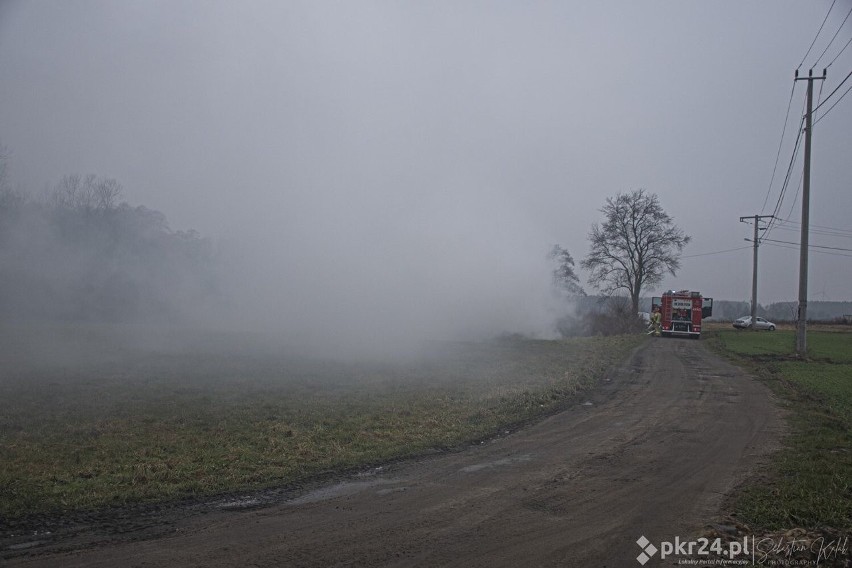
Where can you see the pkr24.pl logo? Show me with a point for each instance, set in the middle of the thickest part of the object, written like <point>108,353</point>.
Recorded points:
<point>699,547</point>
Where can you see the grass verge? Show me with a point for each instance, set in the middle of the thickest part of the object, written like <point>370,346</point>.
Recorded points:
<point>809,484</point>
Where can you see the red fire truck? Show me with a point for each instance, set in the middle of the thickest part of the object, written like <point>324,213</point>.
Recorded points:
<point>682,312</point>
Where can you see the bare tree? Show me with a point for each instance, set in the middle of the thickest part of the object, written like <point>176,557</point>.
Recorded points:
<point>67,193</point>
<point>636,244</point>
<point>87,194</point>
<point>10,198</point>
<point>564,277</point>
<point>105,193</point>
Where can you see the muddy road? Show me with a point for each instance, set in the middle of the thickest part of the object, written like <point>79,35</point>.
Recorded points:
<point>652,451</point>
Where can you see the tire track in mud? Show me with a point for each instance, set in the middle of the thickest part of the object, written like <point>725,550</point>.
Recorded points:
<point>652,451</point>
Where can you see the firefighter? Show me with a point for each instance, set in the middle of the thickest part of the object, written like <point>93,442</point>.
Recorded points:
<point>655,322</point>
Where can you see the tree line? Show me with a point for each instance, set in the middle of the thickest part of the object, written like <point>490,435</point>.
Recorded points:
<point>818,311</point>
<point>77,252</point>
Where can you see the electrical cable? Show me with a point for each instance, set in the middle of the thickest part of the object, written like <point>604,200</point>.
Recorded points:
<point>832,92</point>
<point>832,106</point>
<point>802,176</point>
<point>796,197</point>
<point>817,34</point>
<point>838,54</point>
<point>715,252</point>
<point>789,103</point>
<point>809,245</point>
<point>786,181</point>
<point>832,37</point>
<point>839,232</point>
<point>774,219</point>
<point>817,251</point>
<point>780,144</point>
<point>814,232</point>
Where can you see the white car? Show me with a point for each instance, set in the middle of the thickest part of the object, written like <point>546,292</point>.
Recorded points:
<point>759,323</point>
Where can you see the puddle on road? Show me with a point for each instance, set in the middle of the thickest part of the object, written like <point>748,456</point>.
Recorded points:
<point>240,503</point>
<point>26,545</point>
<point>338,490</point>
<point>497,463</point>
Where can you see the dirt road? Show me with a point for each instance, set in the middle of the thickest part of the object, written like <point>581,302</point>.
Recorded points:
<point>653,451</point>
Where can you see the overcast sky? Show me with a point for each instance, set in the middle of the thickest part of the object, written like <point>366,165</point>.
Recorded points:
<point>379,153</point>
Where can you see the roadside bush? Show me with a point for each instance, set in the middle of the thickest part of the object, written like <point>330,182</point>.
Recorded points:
<point>611,316</point>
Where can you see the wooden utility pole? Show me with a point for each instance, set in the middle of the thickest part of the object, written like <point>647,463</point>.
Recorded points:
<point>756,242</point>
<point>802,320</point>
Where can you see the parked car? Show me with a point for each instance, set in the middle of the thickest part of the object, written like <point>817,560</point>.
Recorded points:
<point>759,323</point>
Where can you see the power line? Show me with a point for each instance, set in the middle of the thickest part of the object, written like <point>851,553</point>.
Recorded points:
<point>817,34</point>
<point>817,251</point>
<point>832,37</point>
<point>802,177</point>
<point>827,228</point>
<point>834,105</point>
<point>796,197</point>
<point>809,245</point>
<point>776,217</point>
<point>832,92</point>
<point>815,232</point>
<point>838,54</point>
<point>787,177</point>
<point>780,144</point>
<point>796,148</point>
<point>715,252</point>
<point>786,180</point>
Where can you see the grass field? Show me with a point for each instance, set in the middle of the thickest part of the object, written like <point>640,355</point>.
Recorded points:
<point>810,481</point>
<point>92,416</point>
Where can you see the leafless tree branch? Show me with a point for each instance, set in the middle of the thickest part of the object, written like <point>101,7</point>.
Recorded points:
<point>636,244</point>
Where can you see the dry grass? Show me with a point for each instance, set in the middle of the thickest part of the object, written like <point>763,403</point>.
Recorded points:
<point>89,419</point>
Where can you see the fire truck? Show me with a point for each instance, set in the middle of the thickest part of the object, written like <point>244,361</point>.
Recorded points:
<point>682,312</point>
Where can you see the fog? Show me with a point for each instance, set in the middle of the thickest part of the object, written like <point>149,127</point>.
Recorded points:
<point>375,173</point>
<point>356,288</point>
<point>75,253</point>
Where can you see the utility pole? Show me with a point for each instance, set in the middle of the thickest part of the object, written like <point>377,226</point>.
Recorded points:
<point>802,321</point>
<point>756,242</point>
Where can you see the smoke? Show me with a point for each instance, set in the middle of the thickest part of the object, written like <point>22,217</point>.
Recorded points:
<point>375,276</point>
<point>362,280</point>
